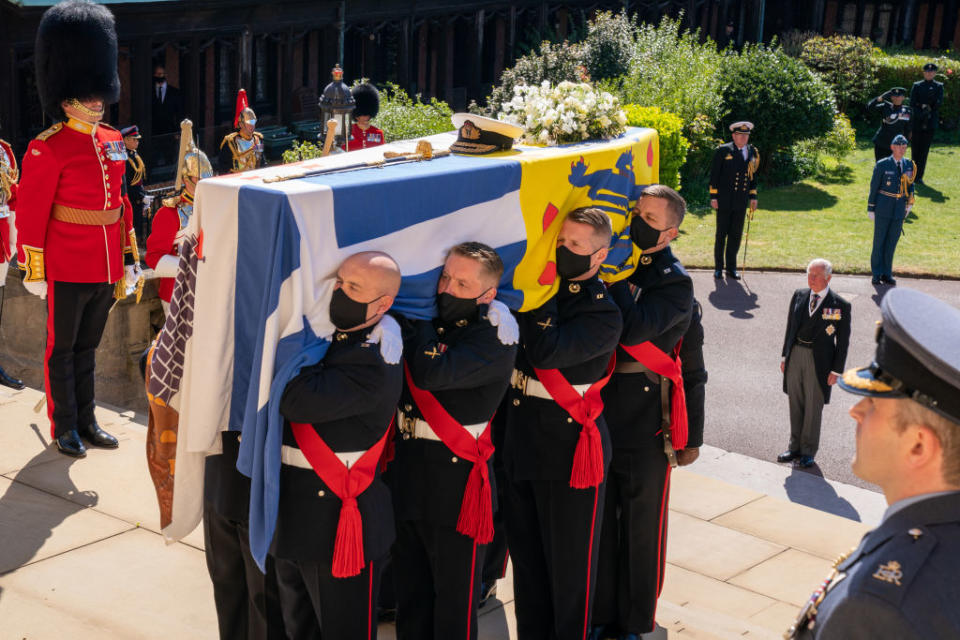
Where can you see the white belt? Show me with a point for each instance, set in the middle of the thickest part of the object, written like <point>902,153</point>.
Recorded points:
<point>295,458</point>
<point>417,428</point>
<point>531,387</point>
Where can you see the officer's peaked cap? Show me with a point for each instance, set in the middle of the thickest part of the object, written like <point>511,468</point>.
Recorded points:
<point>918,354</point>
<point>76,55</point>
<point>899,139</point>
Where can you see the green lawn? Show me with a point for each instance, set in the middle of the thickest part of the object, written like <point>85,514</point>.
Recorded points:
<point>827,217</point>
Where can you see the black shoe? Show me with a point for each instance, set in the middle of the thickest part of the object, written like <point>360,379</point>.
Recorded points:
<point>487,591</point>
<point>98,437</point>
<point>600,632</point>
<point>803,462</point>
<point>788,456</point>
<point>8,381</point>
<point>71,445</point>
<point>876,281</point>
<point>718,274</point>
<point>732,273</point>
<point>890,280</point>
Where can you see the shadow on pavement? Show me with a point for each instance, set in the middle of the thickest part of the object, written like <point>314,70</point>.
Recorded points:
<point>28,516</point>
<point>879,290</point>
<point>730,295</point>
<point>494,622</point>
<point>809,488</point>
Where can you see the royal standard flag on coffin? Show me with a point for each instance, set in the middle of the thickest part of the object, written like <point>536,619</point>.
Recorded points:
<point>257,270</point>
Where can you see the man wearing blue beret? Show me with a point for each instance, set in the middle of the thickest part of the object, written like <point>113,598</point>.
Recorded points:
<point>890,201</point>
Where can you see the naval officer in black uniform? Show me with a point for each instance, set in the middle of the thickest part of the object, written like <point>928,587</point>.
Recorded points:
<point>926,96</point>
<point>733,186</point>
<point>901,580</point>
<point>335,520</point>
<point>556,446</point>
<point>895,120</point>
<point>656,302</point>
<point>458,367</point>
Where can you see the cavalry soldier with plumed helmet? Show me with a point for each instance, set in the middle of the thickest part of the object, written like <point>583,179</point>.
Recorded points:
<point>75,239</point>
<point>242,150</point>
<point>733,186</point>
<point>900,582</point>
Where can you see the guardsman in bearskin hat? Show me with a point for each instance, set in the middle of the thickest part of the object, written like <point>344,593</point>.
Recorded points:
<point>170,221</point>
<point>901,580</point>
<point>363,134</point>
<point>242,150</point>
<point>75,238</point>
<point>136,176</point>
<point>8,243</point>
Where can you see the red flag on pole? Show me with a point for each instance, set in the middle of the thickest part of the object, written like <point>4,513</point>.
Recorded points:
<point>241,105</point>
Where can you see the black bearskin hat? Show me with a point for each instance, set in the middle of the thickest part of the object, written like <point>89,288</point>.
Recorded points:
<point>367,98</point>
<point>76,55</point>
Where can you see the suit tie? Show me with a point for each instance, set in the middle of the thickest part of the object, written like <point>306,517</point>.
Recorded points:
<point>814,299</point>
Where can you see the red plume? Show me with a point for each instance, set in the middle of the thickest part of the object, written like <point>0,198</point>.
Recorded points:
<point>241,105</point>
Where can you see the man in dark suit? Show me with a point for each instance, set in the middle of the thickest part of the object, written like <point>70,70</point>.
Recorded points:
<point>926,96</point>
<point>901,580</point>
<point>733,185</point>
<point>814,352</point>
<point>167,112</point>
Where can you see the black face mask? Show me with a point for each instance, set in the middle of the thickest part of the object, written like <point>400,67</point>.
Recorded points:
<point>452,308</point>
<point>346,313</point>
<point>643,235</point>
<point>570,264</point>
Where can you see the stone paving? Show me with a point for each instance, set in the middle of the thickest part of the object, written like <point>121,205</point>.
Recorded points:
<point>81,556</point>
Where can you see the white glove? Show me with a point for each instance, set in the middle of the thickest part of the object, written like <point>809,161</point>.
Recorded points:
<point>147,201</point>
<point>387,334</point>
<point>132,274</point>
<point>909,206</point>
<point>167,266</point>
<point>36,288</point>
<point>870,214</point>
<point>507,329</point>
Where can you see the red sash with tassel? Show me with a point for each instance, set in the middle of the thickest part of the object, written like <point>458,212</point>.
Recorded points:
<point>476,510</point>
<point>347,484</point>
<point>647,354</point>
<point>587,468</point>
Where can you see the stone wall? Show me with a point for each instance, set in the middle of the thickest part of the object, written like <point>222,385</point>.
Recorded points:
<point>130,328</point>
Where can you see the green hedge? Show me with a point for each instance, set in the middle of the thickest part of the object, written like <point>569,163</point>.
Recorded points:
<point>903,70</point>
<point>673,145</point>
<point>847,63</point>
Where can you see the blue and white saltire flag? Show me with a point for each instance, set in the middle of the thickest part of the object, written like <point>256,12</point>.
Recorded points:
<point>268,255</point>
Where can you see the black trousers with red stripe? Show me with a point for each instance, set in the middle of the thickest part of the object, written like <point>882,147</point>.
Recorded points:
<point>554,534</point>
<point>345,607</point>
<point>437,574</point>
<point>76,316</point>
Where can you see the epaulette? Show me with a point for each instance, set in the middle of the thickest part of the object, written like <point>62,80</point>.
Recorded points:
<point>597,289</point>
<point>257,134</point>
<point>228,137</point>
<point>171,201</point>
<point>49,132</point>
<point>888,571</point>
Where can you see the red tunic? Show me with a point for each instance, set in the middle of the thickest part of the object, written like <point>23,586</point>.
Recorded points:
<point>71,165</point>
<point>164,240</point>
<point>11,160</point>
<point>360,139</point>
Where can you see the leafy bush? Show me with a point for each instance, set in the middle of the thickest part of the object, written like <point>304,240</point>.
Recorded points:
<point>801,160</point>
<point>673,70</point>
<point>846,63</point>
<point>702,134</point>
<point>840,141</point>
<point>784,99</point>
<point>302,151</point>
<point>608,45</point>
<point>554,63</point>
<point>402,117</point>
<point>792,41</point>
<point>673,144</point>
<point>904,69</point>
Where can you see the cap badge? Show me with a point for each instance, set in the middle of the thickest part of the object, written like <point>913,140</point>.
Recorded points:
<point>574,287</point>
<point>645,260</point>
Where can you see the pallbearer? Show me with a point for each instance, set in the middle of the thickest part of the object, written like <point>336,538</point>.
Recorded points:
<point>75,239</point>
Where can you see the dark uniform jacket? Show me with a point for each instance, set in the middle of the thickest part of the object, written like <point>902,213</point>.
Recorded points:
<point>925,100</point>
<point>226,489</point>
<point>886,198</point>
<point>895,120</point>
<point>732,183</point>
<point>694,376</point>
<point>468,370</point>
<point>658,312</point>
<point>350,398</point>
<point>136,175</point>
<point>576,331</point>
<point>828,329</point>
<point>900,582</point>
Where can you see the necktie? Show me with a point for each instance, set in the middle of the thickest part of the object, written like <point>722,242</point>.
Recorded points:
<point>814,299</point>
<point>158,92</point>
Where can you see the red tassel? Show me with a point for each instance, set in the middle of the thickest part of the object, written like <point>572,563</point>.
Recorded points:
<point>348,548</point>
<point>476,510</point>
<point>587,459</point>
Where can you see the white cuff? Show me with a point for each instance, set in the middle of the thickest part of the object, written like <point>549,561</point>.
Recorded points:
<point>167,266</point>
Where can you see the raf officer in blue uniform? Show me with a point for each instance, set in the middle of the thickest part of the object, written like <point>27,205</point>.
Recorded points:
<point>901,580</point>
<point>895,119</point>
<point>889,203</point>
<point>926,96</point>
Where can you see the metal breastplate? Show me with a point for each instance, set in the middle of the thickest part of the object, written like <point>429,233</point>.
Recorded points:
<point>8,177</point>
